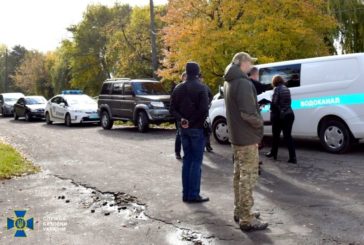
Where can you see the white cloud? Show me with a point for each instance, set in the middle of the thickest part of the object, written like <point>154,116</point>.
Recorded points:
<point>41,24</point>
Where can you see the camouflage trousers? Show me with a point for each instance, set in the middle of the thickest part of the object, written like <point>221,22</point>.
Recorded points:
<point>246,167</point>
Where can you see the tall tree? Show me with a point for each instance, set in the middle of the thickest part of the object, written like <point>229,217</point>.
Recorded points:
<point>15,58</point>
<point>350,15</point>
<point>89,61</point>
<point>33,76</point>
<point>131,44</point>
<point>3,50</point>
<point>60,71</point>
<point>210,32</point>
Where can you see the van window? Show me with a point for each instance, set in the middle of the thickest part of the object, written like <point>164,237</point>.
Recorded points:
<point>128,89</point>
<point>330,71</point>
<point>117,89</point>
<point>290,73</point>
<point>105,88</point>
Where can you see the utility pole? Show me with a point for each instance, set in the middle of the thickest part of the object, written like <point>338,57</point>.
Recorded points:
<point>153,40</point>
<point>6,71</point>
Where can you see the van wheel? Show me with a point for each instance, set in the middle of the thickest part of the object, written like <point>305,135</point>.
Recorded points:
<point>106,121</point>
<point>68,121</point>
<point>142,122</point>
<point>335,137</point>
<point>220,131</point>
<point>48,119</point>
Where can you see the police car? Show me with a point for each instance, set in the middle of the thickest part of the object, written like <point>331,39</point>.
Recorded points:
<point>71,107</point>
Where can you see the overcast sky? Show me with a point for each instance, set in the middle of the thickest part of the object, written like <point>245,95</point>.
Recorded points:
<point>41,24</point>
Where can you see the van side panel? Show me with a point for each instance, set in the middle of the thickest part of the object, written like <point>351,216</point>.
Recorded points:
<point>331,87</point>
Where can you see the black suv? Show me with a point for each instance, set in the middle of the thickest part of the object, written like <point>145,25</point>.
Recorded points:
<point>141,101</point>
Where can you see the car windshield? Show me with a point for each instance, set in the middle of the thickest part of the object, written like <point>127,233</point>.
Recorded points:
<point>149,88</point>
<point>35,100</point>
<point>10,99</point>
<point>80,100</point>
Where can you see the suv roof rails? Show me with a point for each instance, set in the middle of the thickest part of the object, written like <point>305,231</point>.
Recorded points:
<point>117,79</point>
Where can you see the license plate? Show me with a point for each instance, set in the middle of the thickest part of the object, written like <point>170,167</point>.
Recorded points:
<point>94,116</point>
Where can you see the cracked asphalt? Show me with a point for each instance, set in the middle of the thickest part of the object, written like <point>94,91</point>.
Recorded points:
<point>123,187</point>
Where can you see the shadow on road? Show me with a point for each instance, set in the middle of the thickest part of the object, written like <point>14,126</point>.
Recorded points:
<point>132,133</point>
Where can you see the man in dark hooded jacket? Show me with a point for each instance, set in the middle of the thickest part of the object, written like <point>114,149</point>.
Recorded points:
<point>189,105</point>
<point>245,132</point>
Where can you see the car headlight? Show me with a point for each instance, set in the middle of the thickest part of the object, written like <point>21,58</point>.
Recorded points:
<point>157,104</point>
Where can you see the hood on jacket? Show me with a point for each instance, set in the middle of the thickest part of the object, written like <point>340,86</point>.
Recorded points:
<point>233,72</point>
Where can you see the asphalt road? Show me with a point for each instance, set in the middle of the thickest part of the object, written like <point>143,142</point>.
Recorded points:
<point>123,187</point>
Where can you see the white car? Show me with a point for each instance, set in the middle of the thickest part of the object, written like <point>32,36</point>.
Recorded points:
<point>71,107</point>
<point>327,99</point>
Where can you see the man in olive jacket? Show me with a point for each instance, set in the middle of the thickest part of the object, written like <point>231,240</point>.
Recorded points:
<point>245,131</point>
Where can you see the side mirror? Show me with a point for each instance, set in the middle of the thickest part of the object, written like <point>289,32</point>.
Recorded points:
<point>62,104</point>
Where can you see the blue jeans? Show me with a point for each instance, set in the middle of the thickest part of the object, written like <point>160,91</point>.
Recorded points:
<point>193,143</point>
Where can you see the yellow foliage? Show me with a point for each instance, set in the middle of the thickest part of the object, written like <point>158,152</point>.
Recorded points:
<point>211,32</point>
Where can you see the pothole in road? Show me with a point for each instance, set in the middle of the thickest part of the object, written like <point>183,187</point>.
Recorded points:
<point>131,210</point>
<point>105,203</point>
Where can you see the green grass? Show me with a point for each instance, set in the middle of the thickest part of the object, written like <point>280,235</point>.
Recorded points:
<point>12,163</point>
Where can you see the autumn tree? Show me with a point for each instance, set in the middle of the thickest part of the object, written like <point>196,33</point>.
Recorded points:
<point>211,32</point>
<point>11,58</point>
<point>33,76</point>
<point>350,15</point>
<point>89,62</point>
<point>60,71</point>
<point>131,44</point>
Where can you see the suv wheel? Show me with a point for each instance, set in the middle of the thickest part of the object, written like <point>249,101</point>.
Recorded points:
<point>68,121</point>
<point>335,136</point>
<point>220,131</point>
<point>142,122</point>
<point>48,118</point>
<point>15,116</point>
<point>28,117</point>
<point>106,121</point>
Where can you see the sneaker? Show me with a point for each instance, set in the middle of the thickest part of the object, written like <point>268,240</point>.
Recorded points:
<point>209,148</point>
<point>255,225</point>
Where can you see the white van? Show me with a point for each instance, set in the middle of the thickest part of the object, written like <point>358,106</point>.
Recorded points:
<point>327,98</point>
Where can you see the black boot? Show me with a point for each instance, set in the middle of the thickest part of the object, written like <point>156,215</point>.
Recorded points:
<point>271,155</point>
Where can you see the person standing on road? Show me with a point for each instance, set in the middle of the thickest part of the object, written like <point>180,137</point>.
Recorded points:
<point>189,105</point>
<point>260,88</point>
<point>282,118</point>
<point>254,78</point>
<point>207,125</point>
<point>245,133</point>
<point>177,142</point>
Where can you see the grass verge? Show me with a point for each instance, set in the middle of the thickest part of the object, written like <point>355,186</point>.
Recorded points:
<point>12,163</point>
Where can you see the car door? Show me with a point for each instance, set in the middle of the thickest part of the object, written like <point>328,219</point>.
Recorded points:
<point>116,99</point>
<point>61,108</point>
<point>54,107</point>
<point>128,102</point>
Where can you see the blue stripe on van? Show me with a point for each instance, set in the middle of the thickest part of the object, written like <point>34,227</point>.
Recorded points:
<point>311,103</point>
